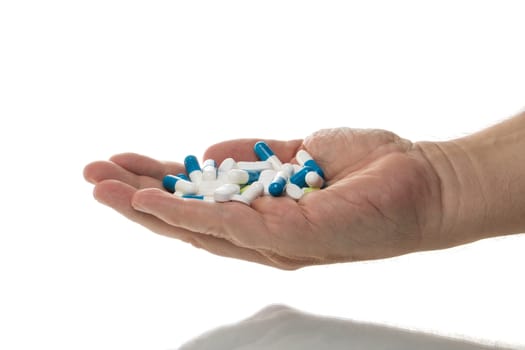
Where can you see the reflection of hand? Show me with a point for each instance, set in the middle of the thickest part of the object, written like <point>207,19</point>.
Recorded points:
<point>279,327</point>
<point>382,200</point>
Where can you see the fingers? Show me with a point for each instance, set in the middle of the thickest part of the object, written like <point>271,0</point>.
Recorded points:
<point>136,170</point>
<point>118,196</point>
<point>146,166</point>
<point>242,149</point>
<point>232,221</point>
<point>103,170</point>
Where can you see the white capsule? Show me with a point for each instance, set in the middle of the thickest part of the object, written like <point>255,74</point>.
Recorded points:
<point>293,191</point>
<point>255,190</point>
<point>206,188</point>
<point>266,177</point>
<point>227,165</point>
<point>209,170</point>
<point>255,166</point>
<point>241,177</point>
<point>186,187</point>
<point>313,179</point>
<point>225,192</point>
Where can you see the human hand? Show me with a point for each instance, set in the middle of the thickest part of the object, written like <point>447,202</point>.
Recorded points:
<point>382,199</point>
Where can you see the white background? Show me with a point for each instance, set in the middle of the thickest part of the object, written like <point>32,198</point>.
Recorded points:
<point>82,80</point>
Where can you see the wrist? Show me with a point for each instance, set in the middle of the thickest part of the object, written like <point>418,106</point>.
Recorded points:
<point>482,182</point>
<point>461,204</point>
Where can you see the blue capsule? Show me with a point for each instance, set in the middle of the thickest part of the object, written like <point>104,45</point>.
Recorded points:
<point>193,168</point>
<point>278,184</point>
<point>305,159</point>
<point>183,176</point>
<point>276,187</point>
<point>264,152</point>
<point>173,183</point>
<point>193,196</point>
<point>299,178</point>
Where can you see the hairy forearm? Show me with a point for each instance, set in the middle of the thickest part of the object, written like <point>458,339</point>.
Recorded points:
<point>482,181</point>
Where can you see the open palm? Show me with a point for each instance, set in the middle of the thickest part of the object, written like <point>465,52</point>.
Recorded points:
<point>382,200</point>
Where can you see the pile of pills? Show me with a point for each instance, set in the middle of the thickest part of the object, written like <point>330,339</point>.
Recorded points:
<point>244,181</point>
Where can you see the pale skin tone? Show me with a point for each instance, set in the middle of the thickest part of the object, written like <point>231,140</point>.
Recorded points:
<point>386,196</point>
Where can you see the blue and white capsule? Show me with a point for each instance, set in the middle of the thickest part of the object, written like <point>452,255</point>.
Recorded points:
<point>183,176</point>
<point>173,184</point>
<point>299,178</point>
<point>278,184</point>
<point>193,168</point>
<point>305,159</point>
<point>266,177</point>
<point>265,153</point>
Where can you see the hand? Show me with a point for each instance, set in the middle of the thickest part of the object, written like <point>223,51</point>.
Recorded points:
<point>382,199</point>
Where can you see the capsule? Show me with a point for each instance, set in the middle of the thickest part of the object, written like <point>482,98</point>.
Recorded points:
<point>278,183</point>
<point>193,168</point>
<point>313,179</point>
<point>183,176</point>
<point>227,164</point>
<point>265,153</point>
<point>209,170</point>
<point>173,183</point>
<point>255,190</point>
<point>305,159</point>
<point>266,177</point>
<point>293,191</point>
<point>299,178</point>
<point>242,177</point>
<point>255,166</point>
<point>225,192</point>
<point>193,196</point>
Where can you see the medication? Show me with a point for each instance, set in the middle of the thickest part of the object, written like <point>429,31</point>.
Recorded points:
<point>183,176</point>
<point>299,178</point>
<point>313,179</point>
<point>193,196</point>
<point>193,168</point>
<point>227,164</point>
<point>206,188</point>
<point>209,170</point>
<point>265,153</point>
<point>293,191</point>
<point>305,159</point>
<point>225,192</point>
<point>242,177</point>
<point>255,166</point>
<point>255,190</point>
<point>266,177</point>
<point>310,189</point>
<point>173,183</point>
<point>278,183</point>
<point>244,181</point>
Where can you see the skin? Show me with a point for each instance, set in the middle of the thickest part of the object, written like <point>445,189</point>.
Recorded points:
<point>385,196</point>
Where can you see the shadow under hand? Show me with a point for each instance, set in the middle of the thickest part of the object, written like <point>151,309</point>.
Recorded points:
<point>279,327</point>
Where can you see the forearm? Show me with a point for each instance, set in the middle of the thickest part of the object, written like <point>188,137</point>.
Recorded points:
<point>482,181</point>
